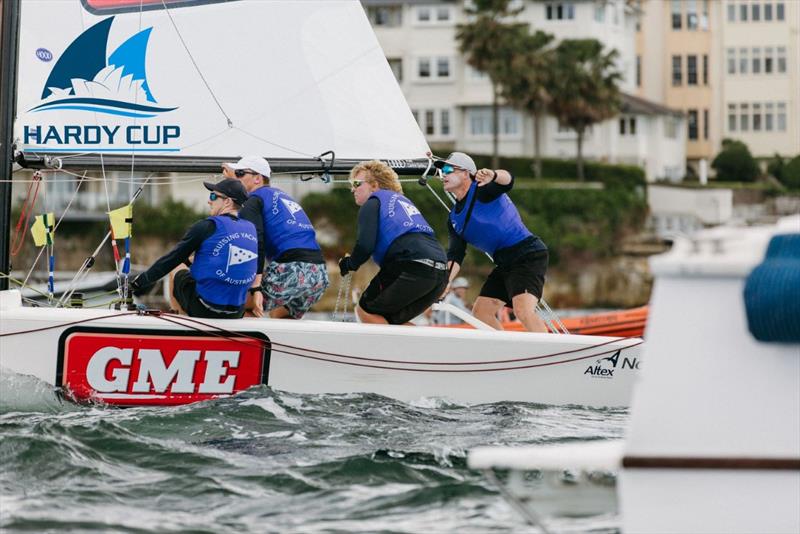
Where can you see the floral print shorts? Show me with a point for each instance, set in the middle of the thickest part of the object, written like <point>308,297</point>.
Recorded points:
<point>295,285</point>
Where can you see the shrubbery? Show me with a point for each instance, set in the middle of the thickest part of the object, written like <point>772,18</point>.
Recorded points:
<point>170,219</point>
<point>790,176</point>
<point>734,163</point>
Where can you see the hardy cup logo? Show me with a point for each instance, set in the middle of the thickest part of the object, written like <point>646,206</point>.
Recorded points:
<point>158,367</point>
<point>88,79</point>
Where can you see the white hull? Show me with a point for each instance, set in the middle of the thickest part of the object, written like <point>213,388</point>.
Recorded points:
<point>312,357</point>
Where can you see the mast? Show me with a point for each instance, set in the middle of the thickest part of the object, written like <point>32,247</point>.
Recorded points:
<point>9,41</point>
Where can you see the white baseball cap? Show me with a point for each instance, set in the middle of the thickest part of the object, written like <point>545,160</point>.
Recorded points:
<point>460,160</point>
<point>460,282</point>
<point>253,163</point>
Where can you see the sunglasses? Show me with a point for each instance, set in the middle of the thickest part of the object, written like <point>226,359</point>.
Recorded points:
<point>448,169</point>
<point>355,184</point>
<point>214,196</point>
<point>241,173</point>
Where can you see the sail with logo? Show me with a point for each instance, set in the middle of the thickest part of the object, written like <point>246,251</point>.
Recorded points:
<point>181,86</point>
<point>192,83</point>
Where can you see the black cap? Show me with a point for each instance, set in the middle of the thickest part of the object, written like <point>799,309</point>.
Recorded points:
<point>231,188</point>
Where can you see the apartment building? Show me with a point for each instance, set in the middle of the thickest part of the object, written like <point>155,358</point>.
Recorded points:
<point>452,101</point>
<point>730,65</point>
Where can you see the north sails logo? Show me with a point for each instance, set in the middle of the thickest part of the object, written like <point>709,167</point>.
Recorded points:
<point>88,79</point>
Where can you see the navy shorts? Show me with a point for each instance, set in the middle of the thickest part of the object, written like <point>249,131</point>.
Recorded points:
<point>402,290</point>
<point>185,292</point>
<point>524,275</point>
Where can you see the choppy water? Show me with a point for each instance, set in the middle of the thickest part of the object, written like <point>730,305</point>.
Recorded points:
<point>268,461</point>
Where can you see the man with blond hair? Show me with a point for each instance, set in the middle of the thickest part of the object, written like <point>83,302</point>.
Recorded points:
<point>413,265</point>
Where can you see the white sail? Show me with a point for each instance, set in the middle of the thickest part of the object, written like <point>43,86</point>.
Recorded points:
<point>295,79</point>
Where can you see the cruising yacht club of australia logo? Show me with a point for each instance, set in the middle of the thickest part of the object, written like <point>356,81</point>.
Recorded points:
<point>605,367</point>
<point>106,86</point>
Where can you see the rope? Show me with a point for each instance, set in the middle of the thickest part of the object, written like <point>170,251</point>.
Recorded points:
<point>197,68</point>
<point>344,290</point>
<point>25,214</point>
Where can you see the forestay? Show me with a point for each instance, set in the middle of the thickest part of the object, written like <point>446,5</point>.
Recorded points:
<point>205,78</point>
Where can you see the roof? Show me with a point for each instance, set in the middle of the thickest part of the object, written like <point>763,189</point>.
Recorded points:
<point>640,106</point>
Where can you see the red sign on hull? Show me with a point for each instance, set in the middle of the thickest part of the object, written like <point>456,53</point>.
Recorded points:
<point>149,367</point>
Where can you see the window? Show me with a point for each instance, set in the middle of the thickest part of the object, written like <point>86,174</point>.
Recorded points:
<point>705,124</point>
<point>600,12</point>
<point>385,16</point>
<point>768,60</point>
<point>744,117</point>
<point>676,14</point>
<point>756,117</point>
<point>692,123</point>
<point>638,71</point>
<point>756,12</point>
<point>731,55</point>
<point>781,116</point>
<point>691,14</point>
<point>430,125</point>
<point>756,60</point>
<point>443,67</point>
<point>705,69</point>
<point>691,70</point>
<point>743,60</point>
<point>423,14</point>
<point>444,126</point>
<point>779,10</point>
<point>731,12</point>
<point>769,111</point>
<point>768,11</point>
<point>622,123</point>
<point>396,64</point>
<point>632,125</point>
<point>677,70</point>
<point>704,15</point>
<point>424,68</point>
<point>475,74</point>
<point>781,58</point>
<point>443,14</point>
<point>731,117</point>
<point>480,122</point>
<point>560,11</point>
<point>743,12</point>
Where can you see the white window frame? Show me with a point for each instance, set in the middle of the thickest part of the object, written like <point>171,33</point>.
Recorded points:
<point>434,11</point>
<point>504,116</point>
<point>433,62</point>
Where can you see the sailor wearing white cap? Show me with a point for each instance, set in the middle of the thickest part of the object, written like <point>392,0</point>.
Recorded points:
<point>486,218</point>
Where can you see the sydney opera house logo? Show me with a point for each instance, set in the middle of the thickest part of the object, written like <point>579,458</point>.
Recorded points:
<point>87,78</point>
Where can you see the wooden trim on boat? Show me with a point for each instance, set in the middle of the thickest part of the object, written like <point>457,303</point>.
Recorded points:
<point>673,462</point>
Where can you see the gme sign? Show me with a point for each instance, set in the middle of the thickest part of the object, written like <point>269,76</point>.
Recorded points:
<point>149,367</point>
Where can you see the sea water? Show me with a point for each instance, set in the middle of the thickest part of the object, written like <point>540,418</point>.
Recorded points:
<point>270,461</point>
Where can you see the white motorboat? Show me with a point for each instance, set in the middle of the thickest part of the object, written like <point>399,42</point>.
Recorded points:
<point>713,443</point>
<point>181,86</point>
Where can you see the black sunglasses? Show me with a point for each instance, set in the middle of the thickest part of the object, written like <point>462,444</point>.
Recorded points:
<point>240,173</point>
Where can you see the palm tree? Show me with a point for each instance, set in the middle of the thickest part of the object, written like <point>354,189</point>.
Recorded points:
<point>584,87</point>
<point>487,43</point>
<point>526,83</point>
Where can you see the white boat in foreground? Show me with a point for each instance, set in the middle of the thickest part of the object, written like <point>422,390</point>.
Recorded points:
<point>714,438</point>
<point>127,358</point>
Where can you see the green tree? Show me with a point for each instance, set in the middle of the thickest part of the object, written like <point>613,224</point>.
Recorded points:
<point>791,174</point>
<point>584,87</point>
<point>526,82</point>
<point>734,163</point>
<point>775,167</point>
<point>487,43</point>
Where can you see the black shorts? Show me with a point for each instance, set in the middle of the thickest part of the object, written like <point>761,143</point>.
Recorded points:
<point>524,275</point>
<point>185,292</point>
<point>402,290</point>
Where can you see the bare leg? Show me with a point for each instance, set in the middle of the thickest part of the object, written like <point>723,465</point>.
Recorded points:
<point>525,310</point>
<point>371,318</point>
<point>486,308</point>
<point>280,313</point>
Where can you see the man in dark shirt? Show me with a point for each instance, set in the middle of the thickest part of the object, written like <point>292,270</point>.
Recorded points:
<point>485,217</point>
<point>225,252</point>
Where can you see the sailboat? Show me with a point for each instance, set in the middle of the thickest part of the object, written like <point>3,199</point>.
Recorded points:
<point>182,85</point>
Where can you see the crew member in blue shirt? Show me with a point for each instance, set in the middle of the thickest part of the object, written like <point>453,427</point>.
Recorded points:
<point>225,249</point>
<point>295,277</point>
<point>413,265</point>
<point>486,218</point>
